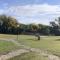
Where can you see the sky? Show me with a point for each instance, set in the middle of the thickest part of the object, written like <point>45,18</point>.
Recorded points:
<point>31,11</point>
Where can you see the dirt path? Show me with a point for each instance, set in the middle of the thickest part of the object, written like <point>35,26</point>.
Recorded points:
<point>45,54</point>
<point>12,54</point>
<point>26,49</point>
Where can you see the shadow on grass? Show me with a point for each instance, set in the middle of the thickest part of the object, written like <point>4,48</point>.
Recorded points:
<point>57,40</point>
<point>33,39</point>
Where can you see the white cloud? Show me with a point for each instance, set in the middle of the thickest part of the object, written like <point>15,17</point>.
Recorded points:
<point>34,9</point>
<point>37,13</point>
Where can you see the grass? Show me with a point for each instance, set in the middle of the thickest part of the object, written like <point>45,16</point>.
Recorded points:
<point>7,36</point>
<point>29,56</point>
<point>6,47</point>
<point>49,43</point>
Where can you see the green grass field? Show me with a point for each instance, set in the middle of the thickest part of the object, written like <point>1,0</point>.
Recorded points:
<point>7,36</point>
<point>49,43</point>
<point>6,47</point>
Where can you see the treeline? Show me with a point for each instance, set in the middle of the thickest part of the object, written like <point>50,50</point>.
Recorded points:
<point>9,25</point>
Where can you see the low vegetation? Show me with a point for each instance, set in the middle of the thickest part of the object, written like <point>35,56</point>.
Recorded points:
<point>6,47</point>
<point>8,36</point>
<point>49,43</point>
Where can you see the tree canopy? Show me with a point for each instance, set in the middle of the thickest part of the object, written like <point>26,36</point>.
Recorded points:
<point>8,25</point>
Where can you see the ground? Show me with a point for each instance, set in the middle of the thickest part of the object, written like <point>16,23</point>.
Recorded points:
<point>29,56</point>
<point>51,44</point>
<point>7,46</point>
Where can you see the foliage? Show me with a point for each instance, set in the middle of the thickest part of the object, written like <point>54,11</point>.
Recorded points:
<point>55,26</point>
<point>9,25</point>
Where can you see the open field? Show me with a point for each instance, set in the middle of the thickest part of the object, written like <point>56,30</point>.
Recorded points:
<point>7,46</point>
<point>7,36</point>
<point>51,44</point>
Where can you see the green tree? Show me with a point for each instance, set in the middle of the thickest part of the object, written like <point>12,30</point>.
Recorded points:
<point>7,23</point>
<point>55,26</point>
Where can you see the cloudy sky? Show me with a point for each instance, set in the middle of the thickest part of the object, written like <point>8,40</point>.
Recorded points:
<point>31,11</point>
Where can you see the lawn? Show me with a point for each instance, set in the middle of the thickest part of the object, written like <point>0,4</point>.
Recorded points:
<point>49,43</point>
<point>8,36</point>
<point>6,47</point>
<point>29,56</point>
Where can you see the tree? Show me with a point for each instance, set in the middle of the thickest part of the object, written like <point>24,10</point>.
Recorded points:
<point>34,27</point>
<point>55,26</point>
<point>7,24</point>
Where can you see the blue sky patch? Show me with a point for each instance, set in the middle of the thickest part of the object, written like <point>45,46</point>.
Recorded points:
<point>31,11</point>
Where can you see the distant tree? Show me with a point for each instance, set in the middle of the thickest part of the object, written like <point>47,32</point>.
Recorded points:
<point>7,24</point>
<point>55,26</point>
<point>34,27</point>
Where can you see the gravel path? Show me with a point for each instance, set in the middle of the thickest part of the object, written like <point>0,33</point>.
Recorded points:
<point>26,49</point>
